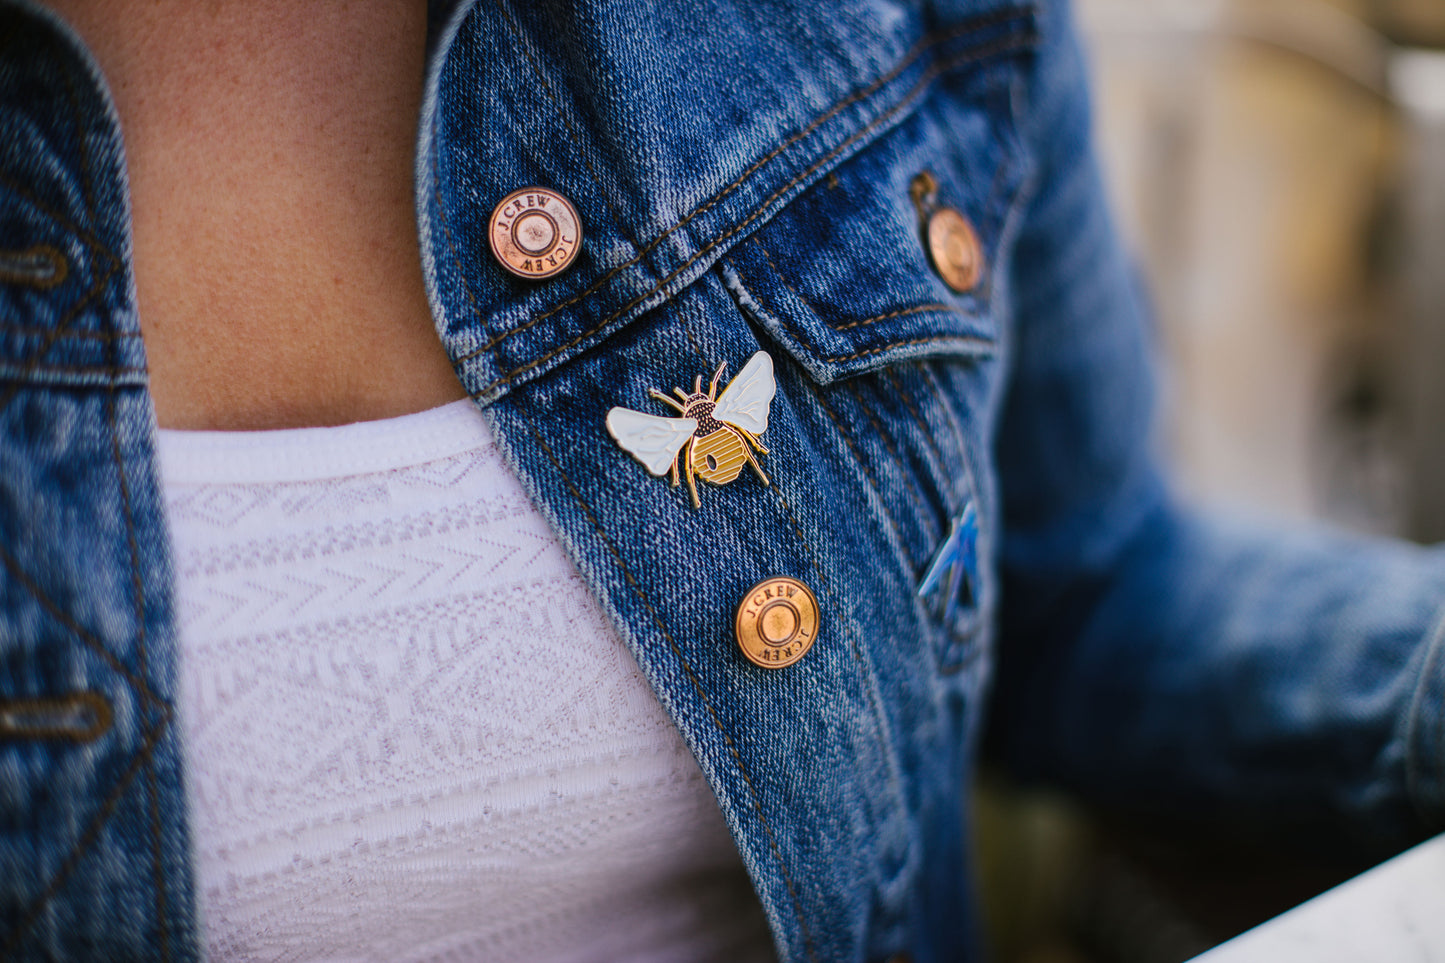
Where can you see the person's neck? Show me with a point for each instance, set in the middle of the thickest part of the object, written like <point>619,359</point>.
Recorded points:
<point>270,148</point>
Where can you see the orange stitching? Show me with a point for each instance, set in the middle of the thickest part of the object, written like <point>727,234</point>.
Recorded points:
<point>85,234</point>
<point>144,755</point>
<point>853,647</point>
<point>901,312</point>
<point>49,342</point>
<point>1006,43</point>
<point>57,717</point>
<point>955,426</point>
<point>967,339</point>
<point>981,342</point>
<point>893,379</point>
<point>872,478</point>
<point>927,78</point>
<point>691,677</point>
<point>920,499</point>
<point>86,840</point>
<point>12,274</point>
<point>89,640</point>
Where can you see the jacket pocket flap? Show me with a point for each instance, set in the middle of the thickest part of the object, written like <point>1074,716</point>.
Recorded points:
<point>843,277</point>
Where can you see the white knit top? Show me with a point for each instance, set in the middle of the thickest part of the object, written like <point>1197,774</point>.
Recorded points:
<point>411,733</point>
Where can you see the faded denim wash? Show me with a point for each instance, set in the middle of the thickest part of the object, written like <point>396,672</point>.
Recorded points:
<point>742,172</point>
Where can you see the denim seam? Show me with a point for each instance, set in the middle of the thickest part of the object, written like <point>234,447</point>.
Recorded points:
<point>889,315</point>
<point>987,343</point>
<point>1011,41</point>
<point>84,843</point>
<point>929,76</point>
<point>692,679</point>
<point>1423,750</point>
<point>955,424</point>
<point>919,499</point>
<point>847,437</point>
<point>901,312</point>
<point>940,460</point>
<point>885,731</point>
<point>782,317</point>
<point>17,572</point>
<point>34,361</point>
<point>162,726</point>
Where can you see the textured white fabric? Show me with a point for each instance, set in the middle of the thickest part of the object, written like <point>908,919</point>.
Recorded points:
<point>411,733</point>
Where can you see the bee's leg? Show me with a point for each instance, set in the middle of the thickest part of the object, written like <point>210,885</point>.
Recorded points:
<point>752,438</point>
<point>691,482</point>
<point>674,469</point>
<point>751,460</point>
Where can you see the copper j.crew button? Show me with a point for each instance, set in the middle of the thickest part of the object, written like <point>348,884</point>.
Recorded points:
<point>777,622</point>
<point>535,233</point>
<point>952,244</point>
<point>954,249</point>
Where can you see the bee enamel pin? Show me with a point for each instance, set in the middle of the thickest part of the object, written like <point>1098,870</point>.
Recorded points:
<point>716,433</point>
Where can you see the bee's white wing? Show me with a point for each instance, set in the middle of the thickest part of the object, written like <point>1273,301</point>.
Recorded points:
<point>746,399</point>
<point>652,440</point>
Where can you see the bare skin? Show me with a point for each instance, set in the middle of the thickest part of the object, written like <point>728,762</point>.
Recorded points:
<point>270,148</point>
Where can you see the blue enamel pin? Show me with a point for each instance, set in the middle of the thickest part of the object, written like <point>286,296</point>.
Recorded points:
<point>955,561</point>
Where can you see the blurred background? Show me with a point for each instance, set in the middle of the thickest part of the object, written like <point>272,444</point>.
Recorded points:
<point>1279,168</point>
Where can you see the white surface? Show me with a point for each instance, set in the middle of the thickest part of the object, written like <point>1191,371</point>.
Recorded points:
<point>1395,913</point>
<point>1418,81</point>
<point>411,733</point>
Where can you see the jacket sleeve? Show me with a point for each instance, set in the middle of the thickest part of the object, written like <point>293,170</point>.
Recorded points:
<point>1152,658</point>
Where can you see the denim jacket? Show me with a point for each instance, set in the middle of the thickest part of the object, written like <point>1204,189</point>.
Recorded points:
<point>743,175</point>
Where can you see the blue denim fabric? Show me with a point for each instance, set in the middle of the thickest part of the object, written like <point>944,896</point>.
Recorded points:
<point>742,173</point>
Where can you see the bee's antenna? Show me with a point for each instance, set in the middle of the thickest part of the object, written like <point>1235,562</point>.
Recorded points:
<point>664,398</point>
<point>716,376</point>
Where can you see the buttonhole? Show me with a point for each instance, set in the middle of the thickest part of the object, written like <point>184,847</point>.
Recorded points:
<point>923,191</point>
<point>78,717</point>
<point>39,266</point>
